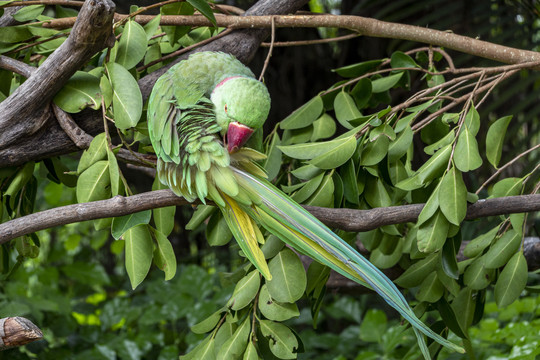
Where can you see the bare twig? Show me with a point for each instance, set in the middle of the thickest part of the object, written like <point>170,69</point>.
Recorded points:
<point>309,42</point>
<point>501,169</point>
<point>267,60</point>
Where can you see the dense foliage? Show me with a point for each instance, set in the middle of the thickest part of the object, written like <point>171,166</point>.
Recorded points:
<point>399,130</point>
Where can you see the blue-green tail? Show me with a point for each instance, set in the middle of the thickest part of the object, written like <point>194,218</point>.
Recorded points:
<point>301,230</point>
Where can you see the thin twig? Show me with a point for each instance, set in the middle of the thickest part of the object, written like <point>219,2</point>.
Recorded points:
<point>496,173</point>
<point>310,42</point>
<point>267,60</point>
<point>184,50</point>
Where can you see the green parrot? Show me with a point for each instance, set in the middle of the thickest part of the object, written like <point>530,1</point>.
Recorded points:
<point>200,114</point>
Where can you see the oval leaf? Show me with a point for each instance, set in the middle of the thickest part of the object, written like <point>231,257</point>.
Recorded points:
<point>82,90</point>
<point>495,139</point>
<point>304,115</point>
<point>94,183</point>
<point>127,98</point>
<point>282,341</point>
<point>309,151</point>
<point>337,156</point>
<point>132,45</point>
<point>122,223</point>
<point>453,197</point>
<point>139,251</point>
<point>512,280</point>
<point>245,290</point>
<point>288,277</point>
<point>164,256</point>
<point>275,310</point>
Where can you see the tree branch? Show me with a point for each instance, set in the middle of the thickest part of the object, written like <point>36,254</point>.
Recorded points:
<point>362,25</point>
<point>17,331</point>
<point>25,112</point>
<point>345,219</point>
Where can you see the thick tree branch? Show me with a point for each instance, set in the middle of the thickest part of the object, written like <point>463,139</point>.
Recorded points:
<point>25,112</point>
<point>345,219</point>
<point>53,141</point>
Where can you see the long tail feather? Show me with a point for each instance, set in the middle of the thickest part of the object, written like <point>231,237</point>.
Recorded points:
<point>246,233</point>
<point>297,220</point>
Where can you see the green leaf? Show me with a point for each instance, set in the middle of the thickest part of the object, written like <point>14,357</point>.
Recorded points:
<point>20,179</point>
<point>282,341</point>
<point>275,310</point>
<point>217,230</point>
<point>324,195</point>
<point>385,260</point>
<point>122,223</point>
<point>164,255</point>
<point>205,9</point>
<point>346,110</point>
<point>234,347</point>
<point>163,217</point>
<point>359,69</point>
<point>495,140</point>
<point>507,187</point>
<point>401,60</point>
<point>432,205</point>
<point>453,197</point>
<point>272,246</point>
<point>114,173</point>
<point>139,251</point>
<point>306,172</point>
<point>288,277</point>
<point>466,155</point>
<point>431,289</point>
<point>272,163</point>
<point>472,121</point>
<point>401,144</point>
<point>80,91</point>
<point>200,215</point>
<point>251,352</point>
<point>97,151</point>
<point>94,183</point>
<point>477,277</point>
<point>208,323</point>
<point>502,250</point>
<point>127,97</point>
<point>385,83</point>
<point>14,34</point>
<point>416,273</point>
<point>464,305</point>
<point>337,156</point>
<point>479,243</point>
<point>512,280</point>
<point>324,127</point>
<point>245,291</point>
<point>446,140</point>
<point>28,13</point>
<point>374,151</point>
<point>174,33</point>
<point>350,184</point>
<point>432,234</point>
<point>361,92</point>
<point>204,350</point>
<point>304,115</point>
<point>374,326</point>
<point>132,45</point>
<point>308,189</point>
<point>435,165</point>
<point>376,193</point>
<point>309,151</point>
<point>152,26</point>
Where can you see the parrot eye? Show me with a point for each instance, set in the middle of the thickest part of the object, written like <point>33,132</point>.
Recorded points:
<point>225,108</point>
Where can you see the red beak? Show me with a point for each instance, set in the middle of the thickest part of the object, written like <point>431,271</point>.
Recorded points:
<point>237,135</point>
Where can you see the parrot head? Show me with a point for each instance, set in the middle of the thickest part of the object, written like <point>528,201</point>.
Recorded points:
<point>242,105</point>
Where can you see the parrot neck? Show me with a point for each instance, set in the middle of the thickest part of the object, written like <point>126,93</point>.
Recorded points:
<point>225,80</point>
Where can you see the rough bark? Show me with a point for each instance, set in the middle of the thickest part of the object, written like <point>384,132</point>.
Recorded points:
<point>26,111</point>
<point>38,139</point>
<point>17,331</point>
